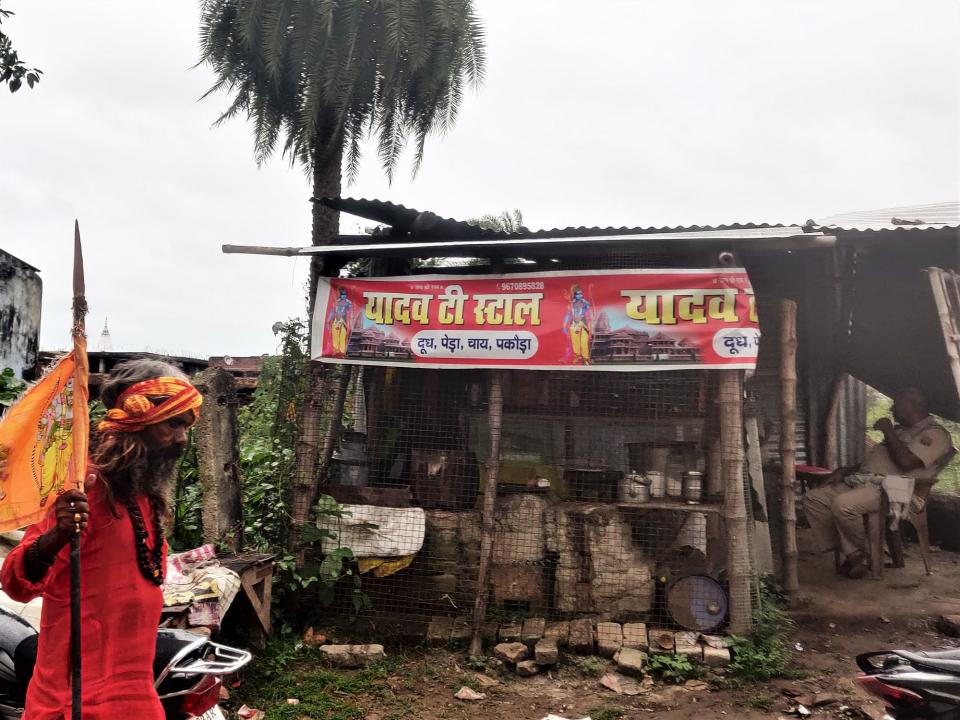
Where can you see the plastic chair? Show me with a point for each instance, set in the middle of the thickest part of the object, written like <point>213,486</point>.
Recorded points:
<point>876,522</point>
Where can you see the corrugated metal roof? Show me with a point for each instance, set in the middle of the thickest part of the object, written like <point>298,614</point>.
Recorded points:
<point>416,224</point>
<point>931,216</point>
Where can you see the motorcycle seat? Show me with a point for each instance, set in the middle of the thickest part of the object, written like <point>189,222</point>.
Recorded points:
<point>946,660</point>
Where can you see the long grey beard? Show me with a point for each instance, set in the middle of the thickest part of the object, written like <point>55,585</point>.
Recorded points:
<point>156,479</point>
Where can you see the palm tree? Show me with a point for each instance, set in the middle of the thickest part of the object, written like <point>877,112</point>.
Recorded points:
<point>314,78</point>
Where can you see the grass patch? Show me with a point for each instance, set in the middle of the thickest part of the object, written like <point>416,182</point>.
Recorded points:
<point>608,712</point>
<point>290,670</point>
<point>761,702</point>
<point>766,654</point>
<point>589,666</point>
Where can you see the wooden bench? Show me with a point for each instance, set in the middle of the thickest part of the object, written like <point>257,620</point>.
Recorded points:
<point>256,581</point>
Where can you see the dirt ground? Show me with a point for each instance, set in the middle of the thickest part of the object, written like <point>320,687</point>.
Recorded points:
<point>836,619</point>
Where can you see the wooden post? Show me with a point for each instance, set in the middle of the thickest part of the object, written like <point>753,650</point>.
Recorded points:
<point>788,442</point>
<point>495,419</point>
<point>216,436</point>
<point>831,441</point>
<point>739,567</point>
<point>332,436</point>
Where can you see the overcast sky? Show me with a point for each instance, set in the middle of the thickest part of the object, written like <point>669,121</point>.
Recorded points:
<point>613,112</point>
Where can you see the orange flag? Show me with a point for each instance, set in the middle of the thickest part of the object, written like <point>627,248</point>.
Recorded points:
<point>37,436</point>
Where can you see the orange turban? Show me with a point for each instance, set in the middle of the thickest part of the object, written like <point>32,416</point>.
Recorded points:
<point>135,411</point>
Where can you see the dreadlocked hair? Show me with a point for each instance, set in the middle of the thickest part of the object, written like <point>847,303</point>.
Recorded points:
<point>122,458</point>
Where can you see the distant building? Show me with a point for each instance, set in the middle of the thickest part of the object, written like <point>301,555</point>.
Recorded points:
<point>245,370</point>
<point>101,363</point>
<point>105,345</point>
<point>21,292</point>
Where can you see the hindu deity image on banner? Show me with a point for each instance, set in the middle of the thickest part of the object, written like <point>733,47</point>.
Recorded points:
<point>578,320</point>
<point>35,441</point>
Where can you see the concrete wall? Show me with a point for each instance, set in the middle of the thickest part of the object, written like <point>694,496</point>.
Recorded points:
<point>20,295</point>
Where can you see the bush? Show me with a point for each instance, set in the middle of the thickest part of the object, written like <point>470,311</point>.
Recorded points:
<point>766,654</point>
<point>672,668</point>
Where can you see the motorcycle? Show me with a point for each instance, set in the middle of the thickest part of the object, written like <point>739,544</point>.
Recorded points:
<point>913,685</point>
<point>188,670</point>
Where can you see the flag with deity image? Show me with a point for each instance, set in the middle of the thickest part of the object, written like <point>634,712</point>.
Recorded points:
<point>44,435</point>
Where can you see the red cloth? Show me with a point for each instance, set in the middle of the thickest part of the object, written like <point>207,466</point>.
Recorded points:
<point>120,610</point>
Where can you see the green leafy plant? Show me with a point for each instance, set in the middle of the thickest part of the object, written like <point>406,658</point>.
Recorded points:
<point>10,386</point>
<point>268,437</point>
<point>766,653</point>
<point>13,71</point>
<point>188,501</point>
<point>672,668</point>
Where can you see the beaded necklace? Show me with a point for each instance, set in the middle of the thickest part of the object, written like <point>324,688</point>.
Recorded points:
<point>149,561</point>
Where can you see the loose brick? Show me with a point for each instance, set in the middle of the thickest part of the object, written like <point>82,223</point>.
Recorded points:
<point>532,631</point>
<point>609,639</point>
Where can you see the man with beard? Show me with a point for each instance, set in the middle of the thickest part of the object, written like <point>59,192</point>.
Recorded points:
<point>123,551</point>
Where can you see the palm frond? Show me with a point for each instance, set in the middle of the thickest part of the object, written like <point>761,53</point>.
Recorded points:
<point>313,77</point>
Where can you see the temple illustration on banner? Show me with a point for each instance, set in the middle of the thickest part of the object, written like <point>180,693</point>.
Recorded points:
<point>631,345</point>
<point>372,342</point>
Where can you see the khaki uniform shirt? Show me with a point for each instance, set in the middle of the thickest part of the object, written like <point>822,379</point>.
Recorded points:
<point>928,440</point>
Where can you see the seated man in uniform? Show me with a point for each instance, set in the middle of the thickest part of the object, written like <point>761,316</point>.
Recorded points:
<point>913,448</point>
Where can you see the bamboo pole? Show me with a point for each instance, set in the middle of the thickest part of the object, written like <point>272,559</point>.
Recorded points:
<point>495,415</point>
<point>788,442</point>
<point>81,433</point>
<point>739,568</point>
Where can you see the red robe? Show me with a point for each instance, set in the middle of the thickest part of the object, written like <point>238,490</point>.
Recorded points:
<point>120,610</point>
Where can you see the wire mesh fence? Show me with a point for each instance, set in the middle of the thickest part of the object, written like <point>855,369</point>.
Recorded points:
<point>611,500</point>
<point>609,503</point>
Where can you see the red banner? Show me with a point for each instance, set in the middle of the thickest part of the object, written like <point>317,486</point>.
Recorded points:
<point>593,320</point>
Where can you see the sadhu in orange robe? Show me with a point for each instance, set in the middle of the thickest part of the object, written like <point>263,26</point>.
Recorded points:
<point>120,611</point>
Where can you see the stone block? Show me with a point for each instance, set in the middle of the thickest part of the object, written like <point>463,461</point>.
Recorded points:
<point>716,657</point>
<point>688,645</point>
<point>559,631</point>
<point>445,584</point>
<point>630,661</point>
<point>661,640</point>
<point>527,668</point>
<point>532,631</point>
<point>622,583</point>
<point>461,632</point>
<point>352,656</point>
<point>489,631</point>
<point>438,632</point>
<point>635,636</point>
<point>949,625</point>
<point>512,653</point>
<point>609,639</point>
<point>716,641</point>
<point>510,632</point>
<point>546,652</point>
<point>694,652</point>
<point>581,637</point>
<point>519,535</point>
<point>518,581</point>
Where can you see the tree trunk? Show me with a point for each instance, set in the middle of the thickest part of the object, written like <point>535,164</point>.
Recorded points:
<point>788,443</point>
<point>326,222</point>
<point>739,567</point>
<point>495,414</point>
